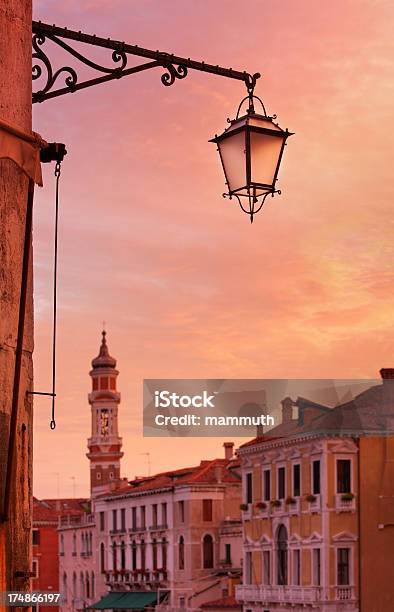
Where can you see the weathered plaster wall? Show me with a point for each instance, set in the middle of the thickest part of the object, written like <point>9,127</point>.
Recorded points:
<point>15,107</point>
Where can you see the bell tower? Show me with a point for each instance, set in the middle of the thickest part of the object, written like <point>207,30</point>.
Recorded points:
<point>104,445</point>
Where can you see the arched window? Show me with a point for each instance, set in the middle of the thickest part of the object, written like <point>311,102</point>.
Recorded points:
<point>87,582</point>
<point>102,558</point>
<point>91,543</point>
<point>92,585</point>
<point>143,555</point>
<point>65,586</point>
<point>74,585</point>
<point>207,551</point>
<point>82,585</point>
<point>133,555</point>
<point>281,561</point>
<point>181,553</point>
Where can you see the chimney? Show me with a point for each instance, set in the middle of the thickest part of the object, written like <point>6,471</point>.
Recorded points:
<point>287,410</point>
<point>218,473</point>
<point>387,375</point>
<point>259,431</point>
<point>228,450</point>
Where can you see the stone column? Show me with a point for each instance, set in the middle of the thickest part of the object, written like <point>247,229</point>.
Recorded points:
<point>15,107</point>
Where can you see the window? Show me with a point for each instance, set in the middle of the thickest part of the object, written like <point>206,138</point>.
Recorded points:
<point>134,556</point>
<point>123,519</point>
<point>344,484</point>
<point>249,488</point>
<point>102,558</point>
<point>316,477</point>
<point>154,553</point>
<point>111,475</point>
<point>143,555</point>
<point>207,510</point>
<point>316,573</point>
<point>36,537</point>
<point>112,382</point>
<point>134,518</point>
<point>95,384</point>
<point>296,480</point>
<point>164,513</point>
<point>65,586</point>
<point>114,557</point>
<point>35,568</point>
<point>164,554</point>
<point>98,476</point>
<point>104,382</point>
<point>207,551</point>
<point>92,585</point>
<point>74,585</point>
<point>248,567</point>
<point>114,520</point>
<point>343,557</point>
<point>281,483</point>
<point>81,585</point>
<point>102,521</point>
<point>182,601</point>
<point>143,517</point>
<point>154,515</point>
<point>281,542</point>
<point>227,548</point>
<point>61,544</point>
<point>74,544</point>
<point>266,567</point>
<point>123,556</point>
<point>87,585</point>
<point>181,553</point>
<point>267,485</point>
<point>296,567</point>
<point>181,509</point>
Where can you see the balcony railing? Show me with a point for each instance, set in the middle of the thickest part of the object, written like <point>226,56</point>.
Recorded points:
<point>77,520</point>
<point>345,502</point>
<point>136,529</point>
<point>136,577</point>
<point>162,527</point>
<point>278,594</point>
<point>118,530</point>
<point>292,594</point>
<point>345,593</point>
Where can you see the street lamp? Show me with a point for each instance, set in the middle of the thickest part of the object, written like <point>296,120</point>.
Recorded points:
<point>251,150</point>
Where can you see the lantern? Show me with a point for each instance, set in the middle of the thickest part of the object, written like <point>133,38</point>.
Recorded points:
<point>251,150</point>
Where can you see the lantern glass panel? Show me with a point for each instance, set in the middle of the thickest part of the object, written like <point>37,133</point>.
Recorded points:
<point>232,151</point>
<point>264,155</point>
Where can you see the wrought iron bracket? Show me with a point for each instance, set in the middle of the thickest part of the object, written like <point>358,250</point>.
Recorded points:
<point>176,67</point>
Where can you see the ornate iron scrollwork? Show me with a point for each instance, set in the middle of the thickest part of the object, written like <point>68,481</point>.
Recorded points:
<point>175,67</point>
<point>51,77</point>
<point>173,73</point>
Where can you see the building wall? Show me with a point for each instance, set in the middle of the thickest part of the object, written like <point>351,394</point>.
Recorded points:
<point>46,561</point>
<point>15,107</point>
<point>328,523</point>
<point>377,523</point>
<point>78,567</point>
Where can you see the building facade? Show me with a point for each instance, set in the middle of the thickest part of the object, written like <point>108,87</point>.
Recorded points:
<point>177,534</point>
<point>318,507</point>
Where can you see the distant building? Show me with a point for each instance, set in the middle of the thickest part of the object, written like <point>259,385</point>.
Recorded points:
<point>47,513</point>
<point>176,534</point>
<point>318,507</point>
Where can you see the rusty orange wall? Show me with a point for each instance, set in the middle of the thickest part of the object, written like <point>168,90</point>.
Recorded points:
<point>377,545</point>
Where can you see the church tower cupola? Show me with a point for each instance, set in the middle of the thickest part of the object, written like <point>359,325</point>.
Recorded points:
<point>104,445</point>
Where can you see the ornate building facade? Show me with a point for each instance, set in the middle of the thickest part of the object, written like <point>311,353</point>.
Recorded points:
<point>318,507</point>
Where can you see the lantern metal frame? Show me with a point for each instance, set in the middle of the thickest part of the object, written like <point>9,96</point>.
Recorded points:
<point>249,191</point>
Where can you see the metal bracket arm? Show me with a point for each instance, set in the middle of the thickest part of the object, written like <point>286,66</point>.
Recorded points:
<point>176,67</point>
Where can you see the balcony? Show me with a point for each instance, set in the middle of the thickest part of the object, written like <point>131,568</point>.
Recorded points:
<point>345,502</point>
<point>162,527</point>
<point>79,520</point>
<point>293,506</point>
<point>314,501</point>
<point>136,578</point>
<point>345,593</point>
<point>278,594</point>
<point>136,529</point>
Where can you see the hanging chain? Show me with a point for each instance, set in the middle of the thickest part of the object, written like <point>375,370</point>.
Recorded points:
<point>57,175</point>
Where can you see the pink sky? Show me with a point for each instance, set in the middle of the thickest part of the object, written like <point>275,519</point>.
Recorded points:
<point>187,286</point>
